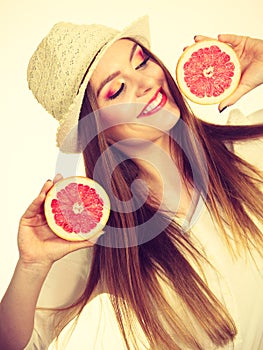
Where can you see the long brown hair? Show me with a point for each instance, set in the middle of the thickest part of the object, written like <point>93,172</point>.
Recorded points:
<point>135,274</point>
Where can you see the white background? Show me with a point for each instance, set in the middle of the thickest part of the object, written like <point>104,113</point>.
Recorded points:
<point>28,151</point>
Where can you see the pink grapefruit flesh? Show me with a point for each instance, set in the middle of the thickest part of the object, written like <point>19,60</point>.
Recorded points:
<point>77,208</point>
<point>208,72</point>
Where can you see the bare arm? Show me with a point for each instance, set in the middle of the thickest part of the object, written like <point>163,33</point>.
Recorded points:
<point>17,308</point>
<point>39,248</point>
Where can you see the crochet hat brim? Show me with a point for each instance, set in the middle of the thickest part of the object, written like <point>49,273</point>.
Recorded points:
<point>67,133</point>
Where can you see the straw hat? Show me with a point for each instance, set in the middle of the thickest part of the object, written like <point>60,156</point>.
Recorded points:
<point>62,65</point>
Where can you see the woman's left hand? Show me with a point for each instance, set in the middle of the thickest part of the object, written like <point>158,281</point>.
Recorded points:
<point>250,54</point>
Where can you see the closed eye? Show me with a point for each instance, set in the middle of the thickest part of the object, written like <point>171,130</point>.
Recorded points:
<point>143,63</point>
<point>117,93</point>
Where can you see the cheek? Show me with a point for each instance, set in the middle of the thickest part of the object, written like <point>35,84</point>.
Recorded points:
<point>130,135</point>
<point>112,116</point>
<point>117,114</point>
<point>156,72</point>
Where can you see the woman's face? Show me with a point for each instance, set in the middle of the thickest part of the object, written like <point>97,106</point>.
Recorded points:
<point>132,94</point>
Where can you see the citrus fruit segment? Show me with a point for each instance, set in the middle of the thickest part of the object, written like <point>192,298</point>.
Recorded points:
<point>77,208</point>
<point>208,72</point>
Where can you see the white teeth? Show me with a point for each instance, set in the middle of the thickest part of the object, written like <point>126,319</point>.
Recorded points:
<point>154,103</point>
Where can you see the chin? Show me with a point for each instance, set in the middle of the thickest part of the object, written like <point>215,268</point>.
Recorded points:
<point>166,119</point>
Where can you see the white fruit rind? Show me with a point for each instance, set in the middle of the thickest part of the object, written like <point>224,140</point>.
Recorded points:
<point>58,230</point>
<point>186,56</point>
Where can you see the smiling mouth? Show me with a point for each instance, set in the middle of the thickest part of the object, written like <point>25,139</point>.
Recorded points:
<point>154,105</point>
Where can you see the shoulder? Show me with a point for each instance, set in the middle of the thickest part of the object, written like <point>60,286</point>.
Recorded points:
<point>249,150</point>
<point>236,117</point>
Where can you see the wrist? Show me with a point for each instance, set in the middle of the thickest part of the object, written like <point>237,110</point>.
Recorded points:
<point>38,268</point>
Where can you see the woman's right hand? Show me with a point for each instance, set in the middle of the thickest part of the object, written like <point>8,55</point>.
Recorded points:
<point>37,243</point>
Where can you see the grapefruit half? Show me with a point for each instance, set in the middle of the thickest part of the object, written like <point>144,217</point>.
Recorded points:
<point>77,208</point>
<point>208,72</point>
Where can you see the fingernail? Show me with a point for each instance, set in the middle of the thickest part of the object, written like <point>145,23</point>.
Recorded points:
<point>57,177</point>
<point>221,110</point>
<point>195,37</point>
<point>48,180</point>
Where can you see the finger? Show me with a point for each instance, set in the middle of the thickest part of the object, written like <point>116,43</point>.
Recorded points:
<point>57,178</point>
<point>36,206</point>
<point>232,39</point>
<point>96,238</point>
<point>198,38</point>
<point>73,246</point>
<point>240,91</point>
<point>70,247</point>
<point>49,183</point>
<point>46,187</point>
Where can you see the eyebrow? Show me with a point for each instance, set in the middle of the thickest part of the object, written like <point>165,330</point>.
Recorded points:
<point>115,74</point>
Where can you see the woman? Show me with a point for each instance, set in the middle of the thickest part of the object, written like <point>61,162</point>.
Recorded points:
<point>179,265</point>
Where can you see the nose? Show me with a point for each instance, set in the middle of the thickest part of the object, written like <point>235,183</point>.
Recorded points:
<point>143,84</point>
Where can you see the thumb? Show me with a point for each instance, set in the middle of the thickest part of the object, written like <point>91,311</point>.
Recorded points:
<point>234,97</point>
<point>232,39</point>
<point>73,246</point>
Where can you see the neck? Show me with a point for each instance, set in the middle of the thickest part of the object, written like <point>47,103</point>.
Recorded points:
<point>158,169</point>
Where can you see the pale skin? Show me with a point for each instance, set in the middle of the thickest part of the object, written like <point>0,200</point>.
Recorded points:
<point>39,248</point>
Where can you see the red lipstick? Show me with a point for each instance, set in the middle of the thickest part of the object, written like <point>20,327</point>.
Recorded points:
<point>155,104</point>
